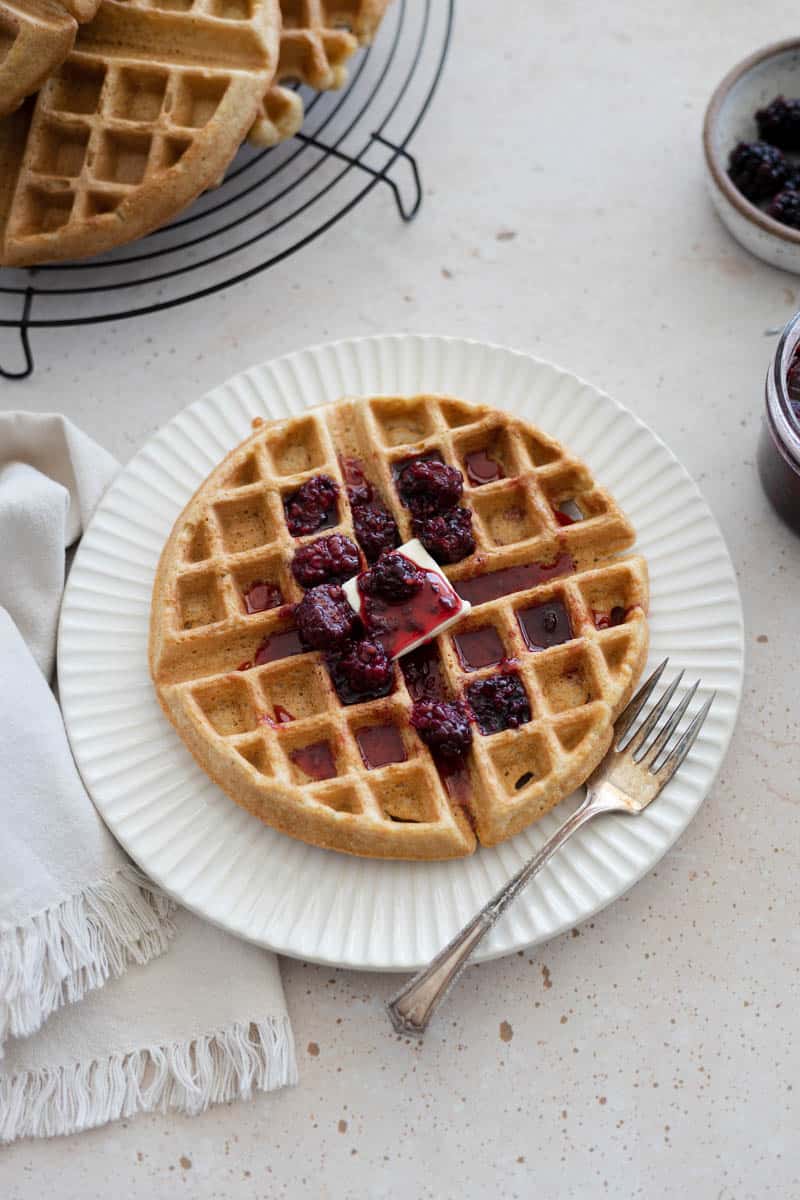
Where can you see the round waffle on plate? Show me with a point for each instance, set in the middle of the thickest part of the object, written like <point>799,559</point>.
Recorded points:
<point>557,613</point>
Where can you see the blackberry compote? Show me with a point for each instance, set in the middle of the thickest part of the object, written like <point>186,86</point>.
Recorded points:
<point>447,538</point>
<point>324,618</point>
<point>404,599</point>
<point>375,527</point>
<point>444,728</point>
<point>312,506</point>
<point>429,487</point>
<point>394,577</point>
<point>499,702</point>
<point>330,559</point>
<point>361,671</point>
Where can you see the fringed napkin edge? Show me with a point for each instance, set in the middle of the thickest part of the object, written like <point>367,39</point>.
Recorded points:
<point>188,1077</point>
<point>58,955</point>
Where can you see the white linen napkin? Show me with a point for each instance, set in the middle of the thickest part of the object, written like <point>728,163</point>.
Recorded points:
<point>111,1003</point>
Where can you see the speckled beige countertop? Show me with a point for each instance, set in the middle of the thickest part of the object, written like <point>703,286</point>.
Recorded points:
<point>652,1052</point>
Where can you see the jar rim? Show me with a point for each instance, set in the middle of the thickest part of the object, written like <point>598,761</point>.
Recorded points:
<point>778,406</point>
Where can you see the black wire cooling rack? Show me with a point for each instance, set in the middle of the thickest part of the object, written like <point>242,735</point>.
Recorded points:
<point>271,202</point>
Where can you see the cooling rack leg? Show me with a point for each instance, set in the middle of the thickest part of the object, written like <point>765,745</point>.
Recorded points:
<point>406,213</point>
<point>25,340</point>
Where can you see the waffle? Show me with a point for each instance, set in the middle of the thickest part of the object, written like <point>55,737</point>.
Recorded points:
<point>229,713</point>
<point>145,113</point>
<point>318,38</point>
<point>35,36</point>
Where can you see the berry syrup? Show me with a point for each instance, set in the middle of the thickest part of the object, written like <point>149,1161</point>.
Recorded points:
<point>260,597</point>
<point>482,469</point>
<point>380,745</point>
<point>545,625</point>
<point>479,648</point>
<point>422,671</point>
<point>396,624</point>
<point>608,620</point>
<point>279,645</point>
<point>481,588</point>
<point>316,761</point>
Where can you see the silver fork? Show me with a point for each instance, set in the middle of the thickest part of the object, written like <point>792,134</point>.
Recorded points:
<point>635,770</point>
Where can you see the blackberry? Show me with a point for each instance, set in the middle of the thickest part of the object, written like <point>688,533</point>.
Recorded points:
<point>448,538</point>
<point>394,577</point>
<point>360,494</point>
<point>779,123</point>
<point>361,671</point>
<point>375,528</point>
<point>324,618</point>
<point>758,170</point>
<point>444,727</point>
<point>330,559</point>
<point>499,702</point>
<point>428,487</point>
<point>311,506</point>
<point>785,207</point>
<point>422,671</point>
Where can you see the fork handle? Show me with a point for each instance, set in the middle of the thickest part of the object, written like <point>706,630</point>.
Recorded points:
<point>412,1008</point>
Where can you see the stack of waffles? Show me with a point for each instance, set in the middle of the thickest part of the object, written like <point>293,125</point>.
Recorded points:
<point>116,114</point>
<point>558,609</point>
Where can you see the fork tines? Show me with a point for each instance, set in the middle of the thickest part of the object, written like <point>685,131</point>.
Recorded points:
<point>649,743</point>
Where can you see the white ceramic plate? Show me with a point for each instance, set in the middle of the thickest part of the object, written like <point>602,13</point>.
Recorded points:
<point>315,904</point>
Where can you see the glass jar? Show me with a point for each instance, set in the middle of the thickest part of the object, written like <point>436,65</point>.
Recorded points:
<point>779,447</point>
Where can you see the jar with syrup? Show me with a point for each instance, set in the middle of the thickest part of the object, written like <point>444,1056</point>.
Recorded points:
<point>779,447</point>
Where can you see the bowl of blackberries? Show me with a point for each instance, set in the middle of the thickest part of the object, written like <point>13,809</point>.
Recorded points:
<point>751,141</point>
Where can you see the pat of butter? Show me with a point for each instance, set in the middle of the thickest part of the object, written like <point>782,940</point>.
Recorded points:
<point>404,640</point>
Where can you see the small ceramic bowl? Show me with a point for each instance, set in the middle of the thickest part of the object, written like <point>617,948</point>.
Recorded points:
<point>729,119</point>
